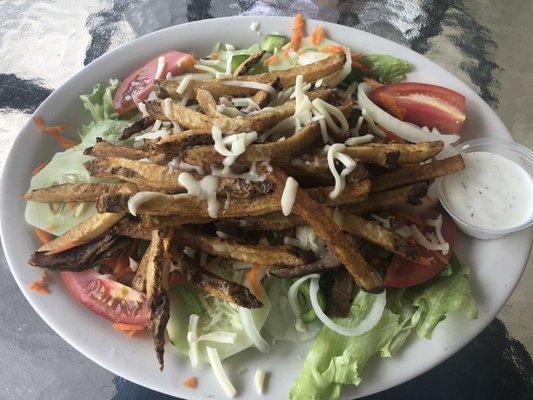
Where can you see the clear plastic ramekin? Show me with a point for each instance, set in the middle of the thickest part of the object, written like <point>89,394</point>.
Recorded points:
<point>507,148</point>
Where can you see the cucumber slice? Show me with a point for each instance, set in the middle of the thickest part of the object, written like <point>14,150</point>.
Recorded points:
<point>237,60</point>
<point>272,41</point>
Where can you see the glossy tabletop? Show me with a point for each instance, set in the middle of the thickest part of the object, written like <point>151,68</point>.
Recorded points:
<point>486,43</point>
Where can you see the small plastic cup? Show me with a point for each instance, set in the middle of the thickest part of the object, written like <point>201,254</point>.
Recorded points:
<point>511,150</point>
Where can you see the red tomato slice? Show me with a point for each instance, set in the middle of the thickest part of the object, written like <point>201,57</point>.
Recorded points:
<point>422,104</point>
<point>405,273</point>
<point>140,82</point>
<point>109,299</point>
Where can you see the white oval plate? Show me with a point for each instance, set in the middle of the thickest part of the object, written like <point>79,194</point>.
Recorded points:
<point>496,265</point>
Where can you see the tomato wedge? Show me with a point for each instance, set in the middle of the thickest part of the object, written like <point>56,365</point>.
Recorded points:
<point>140,82</point>
<point>422,104</point>
<point>107,298</point>
<point>405,273</point>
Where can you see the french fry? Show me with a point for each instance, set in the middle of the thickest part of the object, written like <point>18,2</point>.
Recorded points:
<point>262,97</point>
<point>77,192</point>
<point>310,73</point>
<point>208,282</point>
<point>85,232</point>
<point>326,229</point>
<point>136,127</point>
<point>259,254</point>
<point>207,102</point>
<point>325,263</point>
<point>409,153</point>
<point>389,199</point>
<point>417,173</point>
<point>103,148</point>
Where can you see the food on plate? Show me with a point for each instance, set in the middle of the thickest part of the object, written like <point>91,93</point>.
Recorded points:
<point>270,189</point>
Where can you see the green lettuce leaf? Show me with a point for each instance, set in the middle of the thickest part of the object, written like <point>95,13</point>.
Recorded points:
<point>385,68</point>
<point>100,101</point>
<point>447,293</point>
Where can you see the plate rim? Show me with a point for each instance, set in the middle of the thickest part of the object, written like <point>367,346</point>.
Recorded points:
<point>10,258</point>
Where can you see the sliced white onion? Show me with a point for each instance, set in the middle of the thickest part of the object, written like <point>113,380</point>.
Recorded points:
<point>220,373</point>
<point>422,240</point>
<point>404,130</point>
<point>192,336</point>
<point>187,78</point>
<point>437,224</point>
<point>218,337</point>
<point>292,295</point>
<point>251,330</point>
<point>253,85</point>
<point>371,319</point>
<point>140,198</point>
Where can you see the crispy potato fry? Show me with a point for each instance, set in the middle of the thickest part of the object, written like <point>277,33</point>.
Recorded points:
<point>136,127</point>
<point>327,262</point>
<point>386,158</point>
<point>410,153</point>
<point>78,192</point>
<point>259,254</point>
<point>326,229</point>
<point>352,193</point>
<point>207,102</point>
<point>215,285</point>
<point>340,297</point>
<point>157,274</point>
<point>155,176</point>
<point>82,257</point>
<point>258,122</point>
<point>82,233</point>
<point>311,73</point>
<point>249,63</point>
<point>105,149</point>
<point>417,173</point>
<point>389,199</point>
<point>139,280</point>
<point>373,232</point>
<point>262,97</point>
<point>275,221</point>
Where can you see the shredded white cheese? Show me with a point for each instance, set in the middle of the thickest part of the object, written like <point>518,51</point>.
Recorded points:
<point>167,108</point>
<point>140,198</point>
<point>160,67</point>
<point>254,26</point>
<point>289,195</point>
<point>183,166</point>
<point>187,78</point>
<point>142,108</point>
<point>159,134</point>
<point>354,141</point>
<point>205,189</point>
<point>192,336</point>
<point>220,373</point>
<point>386,222</point>
<point>259,379</point>
<point>157,124</point>
<point>334,152</point>
<point>326,109</point>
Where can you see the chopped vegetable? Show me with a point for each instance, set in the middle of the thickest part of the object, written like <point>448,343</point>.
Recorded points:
<point>297,32</point>
<point>191,383</point>
<point>128,329</point>
<point>273,42</point>
<point>318,35</point>
<point>55,132</point>
<point>41,285</point>
<point>43,236</point>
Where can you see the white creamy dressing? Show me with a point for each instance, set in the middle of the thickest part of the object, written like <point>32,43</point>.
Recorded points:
<point>492,192</point>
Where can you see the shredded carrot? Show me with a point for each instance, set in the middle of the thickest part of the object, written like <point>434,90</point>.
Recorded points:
<point>43,236</point>
<point>390,104</point>
<point>273,59</point>
<point>332,48</point>
<point>40,285</point>
<point>318,35</point>
<point>175,279</point>
<point>372,82</point>
<point>39,167</point>
<point>55,132</point>
<point>297,32</point>
<point>187,62</point>
<point>254,282</point>
<point>128,329</point>
<point>191,383</point>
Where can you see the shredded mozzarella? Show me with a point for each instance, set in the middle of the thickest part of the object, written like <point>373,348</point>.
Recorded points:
<point>160,67</point>
<point>140,198</point>
<point>259,379</point>
<point>295,305</point>
<point>142,108</point>
<point>383,221</point>
<point>205,189</point>
<point>326,109</point>
<point>157,124</point>
<point>159,134</point>
<point>167,108</point>
<point>218,337</point>
<point>192,338</point>
<point>354,141</point>
<point>334,152</point>
<point>289,195</point>
<point>183,166</point>
<point>220,374</point>
<point>187,78</point>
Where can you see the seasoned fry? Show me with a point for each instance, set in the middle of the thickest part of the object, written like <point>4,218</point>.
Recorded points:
<point>384,158</point>
<point>326,229</point>
<point>373,232</point>
<point>82,233</point>
<point>249,63</point>
<point>275,221</point>
<point>207,102</point>
<point>417,173</point>
<point>409,153</point>
<point>262,97</point>
<point>389,199</point>
<point>340,297</point>
<point>103,148</point>
<point>82,257</point>
<point>327,262</point>
<point>174,144</point>
<point>215,285</point>
<point>77,192</point>
<point>352,193</point>
<point>158,177</point>
<point>136,127</point>
<point>139,280</point>
<point>301,142</point>
<point>157,273</point>
<point>311,73</point>
<point>258,122</point>
<point>259,254</point>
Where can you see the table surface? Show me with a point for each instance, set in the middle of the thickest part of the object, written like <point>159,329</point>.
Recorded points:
<point>486,43</point>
